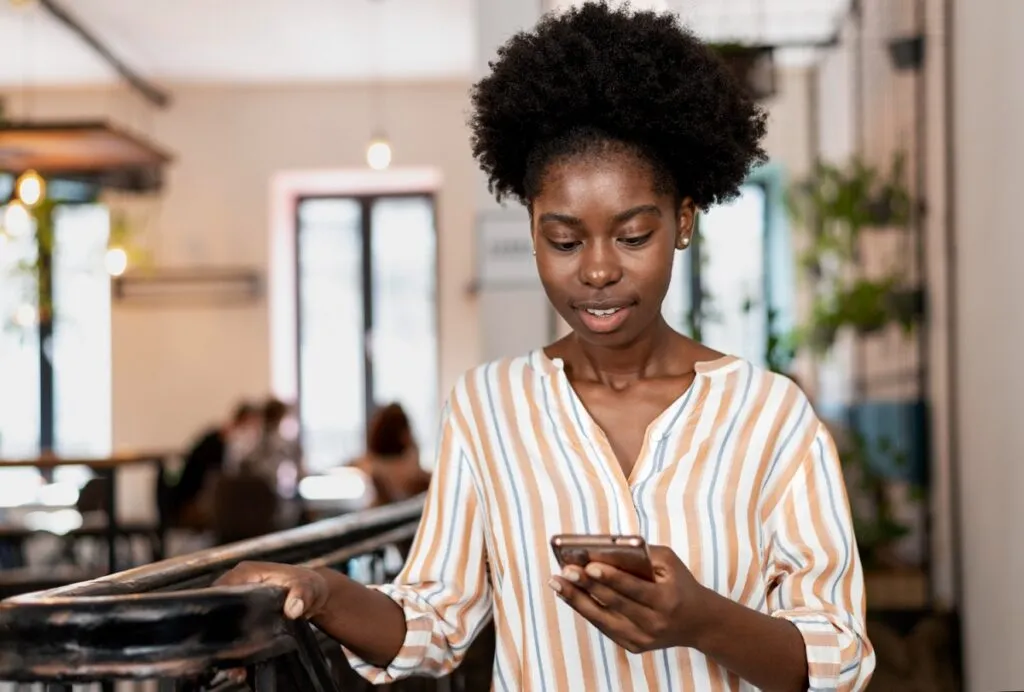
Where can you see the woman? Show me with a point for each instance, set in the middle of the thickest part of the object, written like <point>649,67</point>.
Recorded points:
<point>392,459</point>
<point>614,128</point>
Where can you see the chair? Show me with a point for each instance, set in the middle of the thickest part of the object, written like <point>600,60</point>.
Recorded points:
<point>243,507</point>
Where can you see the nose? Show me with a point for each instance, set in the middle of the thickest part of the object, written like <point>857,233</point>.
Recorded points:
<point>599,265</point>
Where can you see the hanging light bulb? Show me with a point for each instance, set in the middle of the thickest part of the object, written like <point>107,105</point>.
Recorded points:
<point>17,219</point>
<point>378,153</point>
<point>116,261</point>
<point>25,315</point>
<point>31,188</point>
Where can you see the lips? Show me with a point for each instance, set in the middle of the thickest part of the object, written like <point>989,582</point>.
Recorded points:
<point>603,317</point>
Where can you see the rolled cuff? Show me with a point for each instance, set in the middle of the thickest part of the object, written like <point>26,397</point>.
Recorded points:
<point>416,648</point>
<point>824,650</point>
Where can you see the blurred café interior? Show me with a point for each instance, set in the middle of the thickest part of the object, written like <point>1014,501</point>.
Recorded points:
<point>245,251</point>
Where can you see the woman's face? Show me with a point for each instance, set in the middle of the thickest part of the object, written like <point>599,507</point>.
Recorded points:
<point>605,243</point>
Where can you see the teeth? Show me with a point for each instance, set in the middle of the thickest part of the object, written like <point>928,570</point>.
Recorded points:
<point>603,313</point>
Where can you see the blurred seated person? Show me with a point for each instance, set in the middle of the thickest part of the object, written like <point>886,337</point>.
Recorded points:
<point>392,459</point>
<point>182,503</point>
<point>254,495</point>
<point>277,457</point>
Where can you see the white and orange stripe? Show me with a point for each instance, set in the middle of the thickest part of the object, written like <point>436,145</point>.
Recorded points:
<point>738,476</point>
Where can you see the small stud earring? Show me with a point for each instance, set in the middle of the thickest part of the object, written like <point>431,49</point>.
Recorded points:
<point>683,242</point>
<point>534,251</point>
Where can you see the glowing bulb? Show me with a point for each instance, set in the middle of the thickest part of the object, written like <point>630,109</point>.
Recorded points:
<point>31,188</point>
<point>116,261</point>
<point>25,315</point>
<point>17,220</point>
<point>378,154</point>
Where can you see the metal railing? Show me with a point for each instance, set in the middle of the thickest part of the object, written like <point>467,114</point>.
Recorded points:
<point>164,622</point>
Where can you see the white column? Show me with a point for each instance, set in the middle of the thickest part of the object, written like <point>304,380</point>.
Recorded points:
<point>514,312</point>
<point>989,247</point>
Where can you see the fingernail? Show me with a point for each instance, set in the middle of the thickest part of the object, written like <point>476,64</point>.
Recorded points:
<point>294,607</point>
<point>555,585</point>
<point>571,574</point>
<point>594,571</point>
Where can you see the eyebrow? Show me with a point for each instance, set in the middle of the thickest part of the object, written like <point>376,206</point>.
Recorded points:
<point>621,217</point>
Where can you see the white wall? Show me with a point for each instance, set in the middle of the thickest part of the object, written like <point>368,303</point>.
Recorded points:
<point>988,247</point>
<point>514,318</point>
<point>178,369</point>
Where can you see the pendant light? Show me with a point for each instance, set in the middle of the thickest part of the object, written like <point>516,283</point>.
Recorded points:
<point>378,150</point>
<point>30,188</point>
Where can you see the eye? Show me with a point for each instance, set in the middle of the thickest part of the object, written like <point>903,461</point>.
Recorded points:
<point>636,241</point>
<point>564,246</point>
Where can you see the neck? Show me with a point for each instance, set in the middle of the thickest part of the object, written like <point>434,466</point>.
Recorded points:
<point>648,356</point>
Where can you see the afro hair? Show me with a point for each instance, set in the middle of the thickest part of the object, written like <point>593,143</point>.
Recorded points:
<point>594,77</point>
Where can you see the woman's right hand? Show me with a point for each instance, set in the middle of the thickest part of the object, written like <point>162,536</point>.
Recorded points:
<point>307,589</point>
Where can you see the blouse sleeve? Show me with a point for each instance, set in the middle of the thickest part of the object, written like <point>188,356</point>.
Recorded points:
<point>444,588</point>
<point>815,571</point>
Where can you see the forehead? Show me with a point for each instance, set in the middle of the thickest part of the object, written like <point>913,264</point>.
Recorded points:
<point>608,181</point>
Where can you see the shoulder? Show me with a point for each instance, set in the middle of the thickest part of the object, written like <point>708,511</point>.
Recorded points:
<point>211,439</point>
<point>495,390</point>
<point>738,374</point>
<point>498,375</point>
<point>779,411</point>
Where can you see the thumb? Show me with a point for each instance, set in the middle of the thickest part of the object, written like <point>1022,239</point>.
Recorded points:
<point>300,600</point>
<point>294,604</point>
<point>666,563</point>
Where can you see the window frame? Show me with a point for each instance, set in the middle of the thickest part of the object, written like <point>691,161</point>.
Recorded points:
<point>45,327</point>
<point>776,234</point>
<point>366,203</point>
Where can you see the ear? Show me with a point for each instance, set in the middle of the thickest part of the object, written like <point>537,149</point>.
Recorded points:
<point>687,215</point>
<point>533,228</point>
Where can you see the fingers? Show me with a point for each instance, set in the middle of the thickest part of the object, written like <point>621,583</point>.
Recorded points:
<point>633,588</point>
<point>614,624</point>
<point>607,621</point>
<point>300,598</point>
<point>592,581</point>
<point>244,573</point>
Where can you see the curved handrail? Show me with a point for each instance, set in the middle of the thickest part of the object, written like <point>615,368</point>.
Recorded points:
<point>175,634</point>
<point>141,623</point>
<point>285,546</point>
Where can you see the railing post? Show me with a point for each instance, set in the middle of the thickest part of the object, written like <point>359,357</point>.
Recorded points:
<point>310,656</point>
<point>265,677</point>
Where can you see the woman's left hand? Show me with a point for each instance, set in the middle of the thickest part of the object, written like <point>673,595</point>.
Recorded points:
<point>636,614</point>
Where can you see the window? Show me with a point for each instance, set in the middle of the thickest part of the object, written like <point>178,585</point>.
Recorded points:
<point>367,319</point>
<point>56,391</point>
<point>719,291</point>
<point>19,347</point>
<point>81,400</point>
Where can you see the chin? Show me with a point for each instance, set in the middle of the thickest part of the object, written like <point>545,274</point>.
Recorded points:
<point>620,338</point>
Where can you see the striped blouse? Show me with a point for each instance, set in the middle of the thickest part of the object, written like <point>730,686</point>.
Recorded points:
<point>737,476</point>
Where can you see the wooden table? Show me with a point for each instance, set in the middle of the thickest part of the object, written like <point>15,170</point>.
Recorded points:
<point>103,467</point>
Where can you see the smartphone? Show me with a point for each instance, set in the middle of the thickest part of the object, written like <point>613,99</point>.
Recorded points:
<point>628,553</point>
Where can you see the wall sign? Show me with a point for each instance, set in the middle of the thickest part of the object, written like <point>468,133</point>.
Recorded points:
<point>505,251</point>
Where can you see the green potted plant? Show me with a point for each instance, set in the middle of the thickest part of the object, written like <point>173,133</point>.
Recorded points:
<point>836,204</point>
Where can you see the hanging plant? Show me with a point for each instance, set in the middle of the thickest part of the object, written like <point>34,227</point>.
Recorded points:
<point>867,306</point>
<point>836,203</point>
<point>34,271</point>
